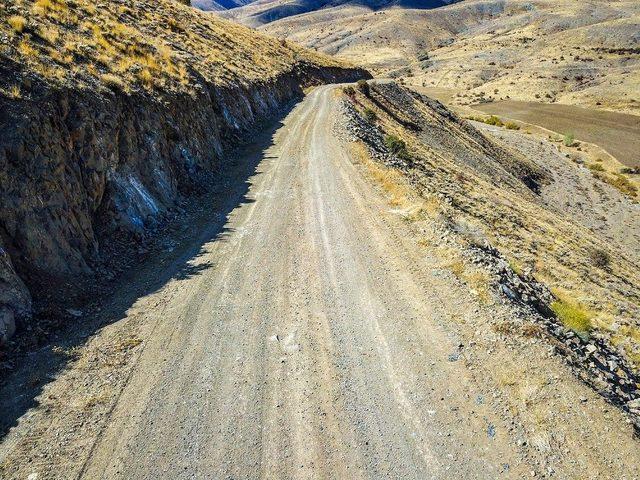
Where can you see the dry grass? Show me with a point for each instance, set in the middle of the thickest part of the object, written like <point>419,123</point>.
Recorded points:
<point>145,44</point>
<point>17,23</point>
<point>414,208</point>
<point>15,92</point>
<point>573,316</point>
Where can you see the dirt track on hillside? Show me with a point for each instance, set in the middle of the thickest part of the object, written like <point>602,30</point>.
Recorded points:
<point>298,353</point>
<point>307,338</point>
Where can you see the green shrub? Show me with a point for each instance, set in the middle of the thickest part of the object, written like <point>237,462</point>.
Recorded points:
<point>397,146</point>
<point>512,126</point>
<point>363,86</point>
<point>394,144</point>
<point>493,120</point>
<point>370,116</point>
<point>569,140</point>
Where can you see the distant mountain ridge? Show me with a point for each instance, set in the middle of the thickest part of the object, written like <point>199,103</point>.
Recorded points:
<point>219,5</point>
<point>267,11</point>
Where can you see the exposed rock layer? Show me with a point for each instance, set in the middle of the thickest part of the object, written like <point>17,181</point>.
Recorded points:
<point>78,167</point>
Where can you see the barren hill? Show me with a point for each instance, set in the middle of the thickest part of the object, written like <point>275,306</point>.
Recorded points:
<point>214,266</point>
<point>585,53</point>
<point>262,12</point>
<point>219,4</point>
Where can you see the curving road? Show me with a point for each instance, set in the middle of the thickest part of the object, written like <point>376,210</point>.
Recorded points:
<point>305,344</point>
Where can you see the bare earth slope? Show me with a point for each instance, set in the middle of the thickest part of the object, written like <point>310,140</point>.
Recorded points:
<point>565,51</point>
<point>318,342</point>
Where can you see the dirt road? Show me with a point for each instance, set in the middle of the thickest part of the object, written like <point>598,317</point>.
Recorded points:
<point>304,350</point>
<point>617,133</point>
<point>303,340</point>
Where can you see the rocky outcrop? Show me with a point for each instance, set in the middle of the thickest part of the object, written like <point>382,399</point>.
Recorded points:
<point>79,166</point>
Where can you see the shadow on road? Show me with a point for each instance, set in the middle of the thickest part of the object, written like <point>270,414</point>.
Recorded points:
<point>204,223</point>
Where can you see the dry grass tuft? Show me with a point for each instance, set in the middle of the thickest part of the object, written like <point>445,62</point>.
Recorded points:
<point>15,92</point>
<point>17,23</point>
<point>573,316</point>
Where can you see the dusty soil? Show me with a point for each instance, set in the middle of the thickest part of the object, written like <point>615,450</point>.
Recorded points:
<point>299,330</point>
<point>617,133</point>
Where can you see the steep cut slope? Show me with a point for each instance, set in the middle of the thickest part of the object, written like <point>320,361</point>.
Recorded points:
<point>571,52</point>
<point>109,115</point>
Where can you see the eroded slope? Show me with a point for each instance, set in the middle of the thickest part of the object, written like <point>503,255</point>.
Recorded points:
<point>516,214</point>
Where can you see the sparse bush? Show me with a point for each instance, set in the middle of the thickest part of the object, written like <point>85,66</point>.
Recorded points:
<point>569,140</point>
<point>596,167</point>
<point>394,144</point>
<point>370,116</point>
<point>493,120</point>
<point>349,90</point>
<point>397,146</point>
<point>423,57</point>
<point>512,126</point>
<point>600,258</point>
<point>363,86</point>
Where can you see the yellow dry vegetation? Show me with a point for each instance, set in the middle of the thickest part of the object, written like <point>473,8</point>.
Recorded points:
<point>144,44</point>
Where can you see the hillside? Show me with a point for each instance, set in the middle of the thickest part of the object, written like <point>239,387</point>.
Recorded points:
<point>510,213</point>
<point>584,53</point>
<point>261,12</point>
<point>109,117</point>
<point>377,261</point>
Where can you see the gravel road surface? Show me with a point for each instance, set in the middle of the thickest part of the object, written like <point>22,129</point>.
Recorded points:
<point>304,348</point>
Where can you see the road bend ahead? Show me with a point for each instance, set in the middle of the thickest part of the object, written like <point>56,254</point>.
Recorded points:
<point>305,347</point>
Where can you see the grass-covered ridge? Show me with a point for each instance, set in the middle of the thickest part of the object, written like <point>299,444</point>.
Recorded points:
<point>137,44</point>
